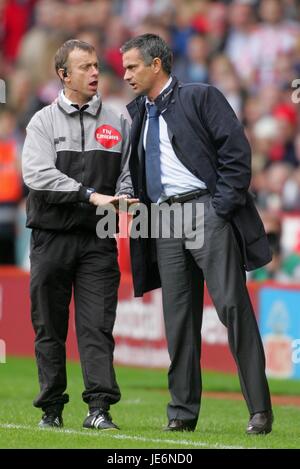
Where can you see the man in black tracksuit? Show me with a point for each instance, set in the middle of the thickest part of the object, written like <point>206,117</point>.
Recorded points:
<point>189,149</point>
<point>74,159</point>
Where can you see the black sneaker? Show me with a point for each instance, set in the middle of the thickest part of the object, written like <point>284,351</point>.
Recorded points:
<point>99,419</point>
<point>51,420</point>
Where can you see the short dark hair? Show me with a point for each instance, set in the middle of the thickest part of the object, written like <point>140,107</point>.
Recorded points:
<point>62,55</point>
<point>151,46</point>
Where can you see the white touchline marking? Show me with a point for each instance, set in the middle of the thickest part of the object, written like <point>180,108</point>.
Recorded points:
<point>97,433</point>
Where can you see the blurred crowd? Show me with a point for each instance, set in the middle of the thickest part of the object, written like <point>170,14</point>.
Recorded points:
<point>249,49</point>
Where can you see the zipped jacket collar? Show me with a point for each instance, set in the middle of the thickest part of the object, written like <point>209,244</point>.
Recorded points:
<point>162,101</point>
<point>93,108</point>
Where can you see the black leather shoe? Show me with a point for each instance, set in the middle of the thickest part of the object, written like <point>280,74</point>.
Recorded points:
<point>260,423</point>
<point>177,425</point>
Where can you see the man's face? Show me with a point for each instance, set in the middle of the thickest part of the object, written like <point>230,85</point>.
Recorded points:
<point>140,77</point>
<point>83,75</point>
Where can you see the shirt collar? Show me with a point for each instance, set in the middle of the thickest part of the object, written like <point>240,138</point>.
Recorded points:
<point>93,107</point>
<point>164,88</point>
<point>70,103</point>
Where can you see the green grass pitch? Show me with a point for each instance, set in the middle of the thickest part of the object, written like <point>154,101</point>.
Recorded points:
<point>141,414</point>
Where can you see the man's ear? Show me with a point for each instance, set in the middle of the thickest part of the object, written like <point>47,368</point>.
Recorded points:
<point>156,64</point>
<point>61,75</point>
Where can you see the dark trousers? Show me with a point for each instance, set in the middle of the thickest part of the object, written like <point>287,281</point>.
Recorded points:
<point>60,262</point>
<point>182,270</point>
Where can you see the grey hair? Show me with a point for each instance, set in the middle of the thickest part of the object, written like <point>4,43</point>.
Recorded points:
<point>150,47</point>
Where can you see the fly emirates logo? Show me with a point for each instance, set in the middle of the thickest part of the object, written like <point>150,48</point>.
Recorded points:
<point>107,136</point>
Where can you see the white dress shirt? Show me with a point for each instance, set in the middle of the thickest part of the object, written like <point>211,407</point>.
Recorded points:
<point>175,177</point>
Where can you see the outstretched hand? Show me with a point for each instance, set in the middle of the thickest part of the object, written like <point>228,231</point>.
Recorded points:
<point>121,202</point>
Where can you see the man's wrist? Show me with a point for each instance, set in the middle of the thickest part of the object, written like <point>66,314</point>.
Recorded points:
<point>89,192</point>
<point>85,193</point>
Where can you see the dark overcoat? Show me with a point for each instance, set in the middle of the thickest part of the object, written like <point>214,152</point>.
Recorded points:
<point>210,141</point>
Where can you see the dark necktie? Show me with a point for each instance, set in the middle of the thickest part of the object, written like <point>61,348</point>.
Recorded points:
<point>152,153</point>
